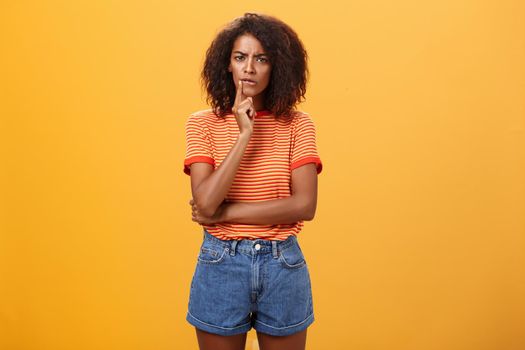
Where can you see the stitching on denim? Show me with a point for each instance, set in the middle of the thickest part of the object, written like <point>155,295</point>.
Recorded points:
<point>211,325</point>
<point>283,259</point>
<point>294,325</point>
<point>216,261</point>
<point>210,251</point>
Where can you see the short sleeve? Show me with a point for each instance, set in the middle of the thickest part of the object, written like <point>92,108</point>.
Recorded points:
<point>198,144</point>
<point>304,147</point>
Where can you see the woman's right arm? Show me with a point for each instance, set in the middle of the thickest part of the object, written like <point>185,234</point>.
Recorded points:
<point>209,187</point>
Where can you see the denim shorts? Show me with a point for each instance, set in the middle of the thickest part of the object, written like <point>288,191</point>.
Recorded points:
<point>240,284</point>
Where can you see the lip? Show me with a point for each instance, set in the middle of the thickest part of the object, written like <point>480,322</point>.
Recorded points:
<point>248,81</point>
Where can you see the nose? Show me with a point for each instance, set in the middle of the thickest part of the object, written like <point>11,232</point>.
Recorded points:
<point>249,66</point>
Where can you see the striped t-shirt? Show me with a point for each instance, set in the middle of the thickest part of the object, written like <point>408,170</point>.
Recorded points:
<point>276,147</point>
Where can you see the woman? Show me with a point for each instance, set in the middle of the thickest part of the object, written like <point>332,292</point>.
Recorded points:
<point>253,164</point>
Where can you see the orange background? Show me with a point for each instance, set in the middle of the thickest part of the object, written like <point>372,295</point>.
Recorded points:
<point>419,236</point>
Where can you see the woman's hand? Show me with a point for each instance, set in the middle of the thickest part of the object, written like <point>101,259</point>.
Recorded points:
<point>244,111</point>
<point>204,220</point>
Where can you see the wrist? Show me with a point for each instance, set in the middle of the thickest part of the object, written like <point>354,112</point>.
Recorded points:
<point>245,135</point>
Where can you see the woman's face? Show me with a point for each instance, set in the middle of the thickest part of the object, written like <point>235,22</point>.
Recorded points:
<point>249,62</point>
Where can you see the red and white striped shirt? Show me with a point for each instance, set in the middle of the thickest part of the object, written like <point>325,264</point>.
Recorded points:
<point>277,146</point>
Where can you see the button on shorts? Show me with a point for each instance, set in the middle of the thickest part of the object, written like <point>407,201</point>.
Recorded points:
<point>240,284</point>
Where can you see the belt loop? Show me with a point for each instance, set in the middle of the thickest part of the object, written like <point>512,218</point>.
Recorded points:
<point>232,247</point>
<point>274,250</point>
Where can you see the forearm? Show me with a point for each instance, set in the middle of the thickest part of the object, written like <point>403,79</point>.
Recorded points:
<point>212,191</point>
<point>277,211</point>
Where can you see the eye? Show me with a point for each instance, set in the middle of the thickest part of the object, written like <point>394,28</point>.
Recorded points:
<point>263,59</point>
<point>238,57</point>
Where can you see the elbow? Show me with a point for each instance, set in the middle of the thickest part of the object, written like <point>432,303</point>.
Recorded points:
<point>309,212</point>
<point>306,206</point>
<point>309,216</point>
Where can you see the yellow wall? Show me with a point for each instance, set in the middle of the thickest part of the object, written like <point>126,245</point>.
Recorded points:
<point>418,241</point>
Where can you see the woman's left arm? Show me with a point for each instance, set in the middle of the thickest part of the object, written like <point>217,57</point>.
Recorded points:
<point>299,206</point>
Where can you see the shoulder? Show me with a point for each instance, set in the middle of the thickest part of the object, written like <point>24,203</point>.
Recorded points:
<point>202,113</point>
<point>204,116</point>
<point>301,118</point>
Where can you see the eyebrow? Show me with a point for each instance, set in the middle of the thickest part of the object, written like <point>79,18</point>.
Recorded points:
<point>258,55</point>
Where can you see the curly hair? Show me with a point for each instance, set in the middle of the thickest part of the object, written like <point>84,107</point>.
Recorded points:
<point>286,53</point>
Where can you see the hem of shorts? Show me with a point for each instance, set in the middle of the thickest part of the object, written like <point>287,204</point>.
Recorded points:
<point>281,331</point>
<point>217,329</point>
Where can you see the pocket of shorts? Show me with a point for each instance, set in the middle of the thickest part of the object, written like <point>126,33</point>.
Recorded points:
<point>292,257</point>
<point>211,254</point>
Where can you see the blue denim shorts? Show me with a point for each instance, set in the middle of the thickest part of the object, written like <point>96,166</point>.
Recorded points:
<point>240,284</point>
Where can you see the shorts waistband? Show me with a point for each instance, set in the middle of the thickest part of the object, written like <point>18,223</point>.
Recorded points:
<point>259,246</point>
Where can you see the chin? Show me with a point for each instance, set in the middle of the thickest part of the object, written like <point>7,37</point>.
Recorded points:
<point>250,93</point>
